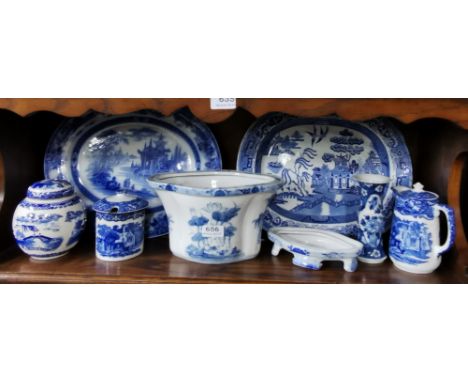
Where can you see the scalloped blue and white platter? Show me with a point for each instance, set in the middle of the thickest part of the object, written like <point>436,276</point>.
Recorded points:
<point>101,155</point>
<point>316,159</point>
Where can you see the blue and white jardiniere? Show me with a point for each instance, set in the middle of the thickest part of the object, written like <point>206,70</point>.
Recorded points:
<point>215,217</point>
<point>371,218</point>
<point>120,227</point>
<point>49,221</point>
<point>311,247</point>
<point>414,239</point>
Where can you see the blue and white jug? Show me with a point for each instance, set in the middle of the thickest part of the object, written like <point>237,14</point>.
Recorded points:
<point>414,240</point>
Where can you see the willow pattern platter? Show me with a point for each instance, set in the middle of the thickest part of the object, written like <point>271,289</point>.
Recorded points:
<point>101,155</point>
<point>316,159</point>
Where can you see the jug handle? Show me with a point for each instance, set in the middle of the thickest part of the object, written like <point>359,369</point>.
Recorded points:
<point>448,211</point>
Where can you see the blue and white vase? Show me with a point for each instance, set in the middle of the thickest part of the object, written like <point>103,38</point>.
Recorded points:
<point>371,218</point>
<point>49,221</point>
<point>414,239</point>
<point>120,227</point>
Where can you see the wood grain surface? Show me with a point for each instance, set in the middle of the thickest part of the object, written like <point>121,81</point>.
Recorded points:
<point>406,110</point>
<point>455,198</point>
<point>157,265</point>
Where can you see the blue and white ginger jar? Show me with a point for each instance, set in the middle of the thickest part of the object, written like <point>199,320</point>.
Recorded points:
<point>49,221</point>
<point>120,227</point>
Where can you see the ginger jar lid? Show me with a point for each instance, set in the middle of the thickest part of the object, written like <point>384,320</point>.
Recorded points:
<point>120,203</point>
<point>50,189</point>
<point>418,192</point>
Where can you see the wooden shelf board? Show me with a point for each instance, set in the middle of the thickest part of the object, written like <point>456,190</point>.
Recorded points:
<point>406,110</point>
<point>157,265</point>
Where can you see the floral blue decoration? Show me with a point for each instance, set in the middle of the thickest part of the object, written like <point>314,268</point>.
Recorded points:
<point>371,221</point>
<point>218,217</point>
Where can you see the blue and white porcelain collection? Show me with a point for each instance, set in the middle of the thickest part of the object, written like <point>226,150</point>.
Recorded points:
<point>325,189</point>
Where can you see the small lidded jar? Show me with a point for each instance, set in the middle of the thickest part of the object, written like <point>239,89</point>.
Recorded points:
<point>49,221</point>
<point>120,228</point>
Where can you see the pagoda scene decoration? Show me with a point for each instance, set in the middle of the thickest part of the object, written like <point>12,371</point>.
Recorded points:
<point>317,166</point>
<point>121,160</point>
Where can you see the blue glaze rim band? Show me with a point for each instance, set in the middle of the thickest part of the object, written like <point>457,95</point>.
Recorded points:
<point>50,206</point>
<point>107,206</point>
<point>162,182</point>
<point>49,195</point>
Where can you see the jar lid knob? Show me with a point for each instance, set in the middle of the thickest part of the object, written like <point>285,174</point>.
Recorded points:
<point>418,187</point>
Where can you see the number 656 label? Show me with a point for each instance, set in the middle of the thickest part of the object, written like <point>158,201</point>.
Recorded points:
<point>213,231</point>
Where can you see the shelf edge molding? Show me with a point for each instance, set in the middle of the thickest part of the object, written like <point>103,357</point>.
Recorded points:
<point>405,110</point>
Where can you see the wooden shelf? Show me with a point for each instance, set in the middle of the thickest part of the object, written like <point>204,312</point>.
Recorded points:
<point>439,150</point>
<point>157,265</point>
<point>405,110</point>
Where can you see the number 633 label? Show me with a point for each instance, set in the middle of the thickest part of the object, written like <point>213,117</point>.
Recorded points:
<point>222,103</point>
